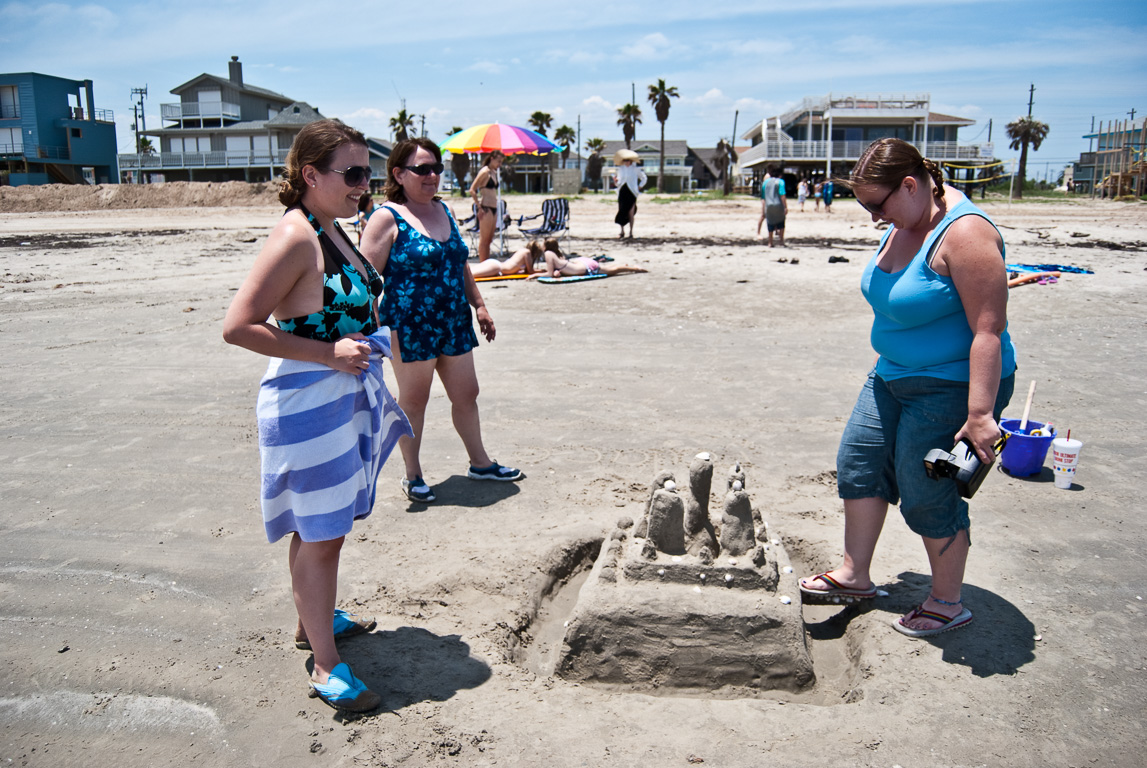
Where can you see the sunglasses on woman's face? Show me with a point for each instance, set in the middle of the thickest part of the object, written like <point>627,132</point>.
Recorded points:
<point>425,169</point>
<point>878,209</point>
<point>355,174</point>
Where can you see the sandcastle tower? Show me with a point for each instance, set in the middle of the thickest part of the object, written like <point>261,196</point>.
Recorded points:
<point>673,602</point>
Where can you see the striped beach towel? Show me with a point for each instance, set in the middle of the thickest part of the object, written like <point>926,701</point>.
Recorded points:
<point>323,437</point>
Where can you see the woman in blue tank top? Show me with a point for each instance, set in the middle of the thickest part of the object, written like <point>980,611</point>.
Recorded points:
<point>946,369</point>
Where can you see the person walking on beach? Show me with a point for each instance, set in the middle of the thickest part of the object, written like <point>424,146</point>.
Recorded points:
<point>774,206</point>
<point>414,242</point>
<point>630,181</point>
<point>802,192</point>
<point>945,372</point>
<point>827,192</point>
<point>817,191</point>
<point>484,192</point>
<point>326,420</point>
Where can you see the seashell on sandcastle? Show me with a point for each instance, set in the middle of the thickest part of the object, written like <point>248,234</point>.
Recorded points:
<point>690,598</point>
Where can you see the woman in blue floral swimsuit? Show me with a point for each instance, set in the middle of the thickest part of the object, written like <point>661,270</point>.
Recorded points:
<point>415,244</point>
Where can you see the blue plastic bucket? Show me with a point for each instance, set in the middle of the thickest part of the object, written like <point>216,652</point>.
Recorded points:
<point>1024,455</point>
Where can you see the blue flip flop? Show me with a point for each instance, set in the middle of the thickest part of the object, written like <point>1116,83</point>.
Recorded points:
<point>345,692</point>
<point>345,625</point>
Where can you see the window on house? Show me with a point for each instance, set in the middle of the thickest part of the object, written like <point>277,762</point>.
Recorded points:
<point>238,143</point>
<point>77,133</point>
<point>191,144</point>
<point>9,101</point>
<point>11,140</point>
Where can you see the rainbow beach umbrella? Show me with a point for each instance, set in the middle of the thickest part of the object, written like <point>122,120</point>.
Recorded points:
<point>507,139</point>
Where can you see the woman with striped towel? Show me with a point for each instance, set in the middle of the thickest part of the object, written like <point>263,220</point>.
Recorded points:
<point>326,420</point>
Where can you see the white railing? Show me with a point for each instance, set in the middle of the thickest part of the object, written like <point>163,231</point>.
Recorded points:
<point>198,110</point>
<point>228,159</point>
<point>782,151</point>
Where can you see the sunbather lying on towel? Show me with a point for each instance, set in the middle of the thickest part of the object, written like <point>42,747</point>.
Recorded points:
<point>523,260</point>
<point>558,265</point>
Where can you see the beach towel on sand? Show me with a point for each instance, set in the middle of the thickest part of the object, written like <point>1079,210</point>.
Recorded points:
<point>323,437</point>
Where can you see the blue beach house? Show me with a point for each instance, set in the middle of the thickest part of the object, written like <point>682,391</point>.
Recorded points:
<point>52,133</point>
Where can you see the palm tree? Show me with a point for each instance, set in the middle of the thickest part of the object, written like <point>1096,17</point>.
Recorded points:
<point>593,162</point>
<point>401,124</point>
<point>568,137</point>
<point>459,164</point>
<point>628,118</point>
<point>144,146</point>
<point>725,158</point>
<point>659,97</point>
<point>1024,131</point>
<point>541,121</point>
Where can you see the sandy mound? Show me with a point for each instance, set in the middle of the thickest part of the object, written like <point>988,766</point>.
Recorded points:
<point>175,194</point>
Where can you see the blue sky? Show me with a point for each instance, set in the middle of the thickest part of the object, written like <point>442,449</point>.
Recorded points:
<point>476,62</point>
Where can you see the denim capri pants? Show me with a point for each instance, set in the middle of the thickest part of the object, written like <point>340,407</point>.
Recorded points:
<point>893,426</point>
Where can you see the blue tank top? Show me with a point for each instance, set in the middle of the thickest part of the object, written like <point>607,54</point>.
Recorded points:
<point>919,326</point>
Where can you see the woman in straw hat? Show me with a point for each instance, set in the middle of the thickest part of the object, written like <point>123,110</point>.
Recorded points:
<point>630,180</point>
<point>945,372</point>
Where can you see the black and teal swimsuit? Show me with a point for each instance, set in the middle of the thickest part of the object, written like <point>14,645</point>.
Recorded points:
<point>348,301</point>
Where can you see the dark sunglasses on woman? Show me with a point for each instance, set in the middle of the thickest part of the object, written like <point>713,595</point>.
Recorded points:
<point>355,174</point>
<point>425,169</point>
<point>878,209</point>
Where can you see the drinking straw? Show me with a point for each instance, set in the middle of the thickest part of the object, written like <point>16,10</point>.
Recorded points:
<point>1027,409</point>
<point>1069,433</point>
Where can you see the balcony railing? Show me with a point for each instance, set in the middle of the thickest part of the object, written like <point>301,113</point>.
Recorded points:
<point>851,150</point>
<point>99,115</point>
<point>9,110</point>
<point>199,110</point>
<point>35,151</point>
<point>228,159</point>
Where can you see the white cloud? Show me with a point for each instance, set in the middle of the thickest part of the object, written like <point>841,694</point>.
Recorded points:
<point>583,58</point>
<point>598,103</point>
<point>489,67</point>
<point>653,46</point>
<point>711,96</point>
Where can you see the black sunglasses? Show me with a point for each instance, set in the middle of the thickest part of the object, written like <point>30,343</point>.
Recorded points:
<point>878,209</point>
<point>355,174</point>
<point>425,169</point>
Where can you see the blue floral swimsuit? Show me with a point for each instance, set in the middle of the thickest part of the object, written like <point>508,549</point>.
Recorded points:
<point>348,301</point>
<point>424,302</point>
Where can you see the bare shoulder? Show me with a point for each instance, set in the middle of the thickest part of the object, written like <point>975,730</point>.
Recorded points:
<point>379,236</point>
<point>292,238</point>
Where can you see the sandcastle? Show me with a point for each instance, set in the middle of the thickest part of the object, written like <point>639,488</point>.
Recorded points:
<point>681,600</point>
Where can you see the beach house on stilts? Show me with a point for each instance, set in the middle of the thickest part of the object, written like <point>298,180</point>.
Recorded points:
<point>824,136</point>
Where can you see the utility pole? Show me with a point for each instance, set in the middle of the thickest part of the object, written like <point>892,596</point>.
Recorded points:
<point>423,124</point>
<point>1132,113</point>
<point>1031,97</point>
<point>733,142</point>
<point>141,116</point>
<point>578,147</point>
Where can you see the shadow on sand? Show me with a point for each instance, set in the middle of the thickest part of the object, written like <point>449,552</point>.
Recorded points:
<point>410,665</point>
<point>999,641</point>
<point>461,491</point>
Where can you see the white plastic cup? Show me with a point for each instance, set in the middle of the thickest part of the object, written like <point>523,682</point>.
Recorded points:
<point>1065,459</point>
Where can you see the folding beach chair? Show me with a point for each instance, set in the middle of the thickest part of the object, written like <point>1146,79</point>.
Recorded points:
<point>469,225</point>
<point>555,218</point>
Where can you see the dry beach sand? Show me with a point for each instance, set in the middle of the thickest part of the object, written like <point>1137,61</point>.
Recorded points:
<point>146,621</point>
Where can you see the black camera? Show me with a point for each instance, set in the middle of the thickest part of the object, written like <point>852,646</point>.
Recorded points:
<point>962,465</point>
